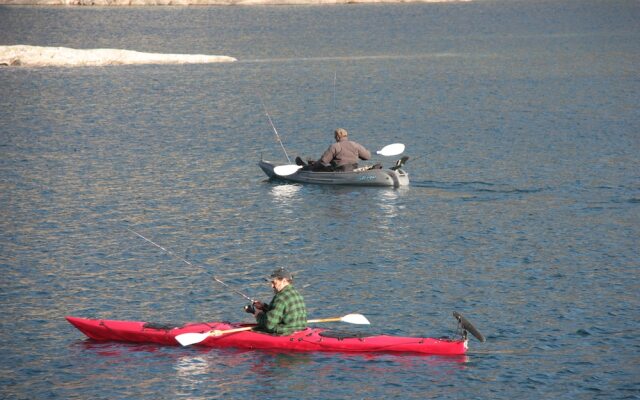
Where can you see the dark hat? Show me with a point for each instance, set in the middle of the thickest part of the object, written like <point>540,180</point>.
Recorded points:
<point>280,273</point>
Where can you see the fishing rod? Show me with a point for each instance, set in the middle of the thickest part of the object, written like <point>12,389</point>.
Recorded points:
<point>275,130</point>
<point>190,264</point>
<point>335,78</point>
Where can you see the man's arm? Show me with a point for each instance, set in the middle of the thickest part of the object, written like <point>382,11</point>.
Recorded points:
<point>328,155</point>
<point>271,318</point>
<point>363,153</point>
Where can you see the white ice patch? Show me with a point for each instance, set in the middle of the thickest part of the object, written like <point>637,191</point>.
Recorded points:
<point>36,56</point>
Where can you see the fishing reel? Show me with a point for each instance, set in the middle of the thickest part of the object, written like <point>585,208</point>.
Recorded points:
<point>250,309</point>
<point>400,163</point>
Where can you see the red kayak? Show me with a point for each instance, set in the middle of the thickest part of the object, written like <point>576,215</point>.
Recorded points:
<point>310,339</point>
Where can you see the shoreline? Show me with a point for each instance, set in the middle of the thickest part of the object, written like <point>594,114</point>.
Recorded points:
<point>134,3</point>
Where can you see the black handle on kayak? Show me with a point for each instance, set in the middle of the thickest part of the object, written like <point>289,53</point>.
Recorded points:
<point>467,326</point>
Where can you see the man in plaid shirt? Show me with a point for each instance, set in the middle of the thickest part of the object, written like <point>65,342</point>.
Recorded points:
<point>287,312</point>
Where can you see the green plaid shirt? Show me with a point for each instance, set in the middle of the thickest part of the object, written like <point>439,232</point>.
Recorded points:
<point>285,314</point>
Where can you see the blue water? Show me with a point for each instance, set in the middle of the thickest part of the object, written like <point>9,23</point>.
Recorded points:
<point>521,120</point>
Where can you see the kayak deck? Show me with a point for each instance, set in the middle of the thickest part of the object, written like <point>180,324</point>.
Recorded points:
<point>359,177</point>
<point>310,339</point>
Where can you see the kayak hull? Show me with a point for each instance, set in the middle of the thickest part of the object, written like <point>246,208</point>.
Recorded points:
<point>370,177</point>
<point>310,339</point>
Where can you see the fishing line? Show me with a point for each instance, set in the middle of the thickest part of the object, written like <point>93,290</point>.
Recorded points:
<point>335,78</point>
<point>190,264</point>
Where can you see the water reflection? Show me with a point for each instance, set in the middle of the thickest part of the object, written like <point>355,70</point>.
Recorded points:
<point>285,195</point>
<point>271,364</point>
<point>191,372</point>
<point>227,371</point>
<point>388,202</point>
<point>274,363</point>
<point>116,349</point>
<point>205,373</point>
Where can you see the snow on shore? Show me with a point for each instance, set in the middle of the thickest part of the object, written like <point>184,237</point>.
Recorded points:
<point>35,56</point>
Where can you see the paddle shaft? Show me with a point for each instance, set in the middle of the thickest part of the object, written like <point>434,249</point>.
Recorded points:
<point>220,333</point>
<point>190,264</point>
<point>248,328</point>
<point>315,321</point>
<point>187,339</point>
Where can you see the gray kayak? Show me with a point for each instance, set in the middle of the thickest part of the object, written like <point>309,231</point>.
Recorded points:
<point>363,176</point>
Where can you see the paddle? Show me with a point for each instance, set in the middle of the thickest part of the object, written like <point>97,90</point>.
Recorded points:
<point>187,339</point>
<point>391,150</point>
<point>285,170</point>
<point>357,319</point>
<point>387,151</point>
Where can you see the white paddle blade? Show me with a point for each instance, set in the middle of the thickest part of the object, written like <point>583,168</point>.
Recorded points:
<point>358,319</point>
<point>285,170</point>
<point>391,150</point>
<point>187,339</point>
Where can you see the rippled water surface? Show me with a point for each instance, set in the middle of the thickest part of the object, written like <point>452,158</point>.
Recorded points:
<point>521,120</point>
